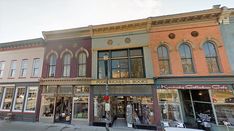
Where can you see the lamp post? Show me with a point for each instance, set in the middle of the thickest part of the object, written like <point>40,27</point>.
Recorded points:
<point>106,97</point>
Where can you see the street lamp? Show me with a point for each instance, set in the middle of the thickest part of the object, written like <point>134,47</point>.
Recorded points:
<point>106,97</point>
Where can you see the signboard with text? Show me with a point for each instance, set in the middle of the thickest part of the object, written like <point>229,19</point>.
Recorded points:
<point>164,86</point>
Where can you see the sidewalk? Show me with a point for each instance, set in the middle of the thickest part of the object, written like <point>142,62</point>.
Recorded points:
<point>38,126</point>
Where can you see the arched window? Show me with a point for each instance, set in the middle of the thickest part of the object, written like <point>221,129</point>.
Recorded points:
<point>82,64</point>
<point>186,58</point>
<point>52,65</point>
<point>211,57</point>
<point>163,59</point>
<point>66,65</point>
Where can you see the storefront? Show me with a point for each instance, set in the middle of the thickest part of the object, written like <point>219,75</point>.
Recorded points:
<point>132,105</point>
<point>65,103</point>
<point>194,100</point>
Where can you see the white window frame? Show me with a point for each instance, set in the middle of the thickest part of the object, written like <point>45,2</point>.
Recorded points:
<point>34,66</point>
<point>14,102</point>
<point>3,99</point>
<point>42,100</point>
<point>26,99</point>
<point>2,68</point>
<point>83,64</point>
<point>11,68</point>
<point>24,68</point>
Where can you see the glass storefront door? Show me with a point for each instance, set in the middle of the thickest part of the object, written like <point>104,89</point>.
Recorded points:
<point>63,109</point>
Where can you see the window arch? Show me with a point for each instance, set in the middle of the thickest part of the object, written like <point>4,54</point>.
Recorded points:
<point>66,64</point>
<point>211,57</point>
<point>186,58</point>
<point>82,61</point>
<point>163,58</point>
<point>52,65</point>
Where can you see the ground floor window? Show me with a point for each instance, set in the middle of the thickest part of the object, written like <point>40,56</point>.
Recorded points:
<point>7,98</point>
<point>19,98</point>
<point>224,105</point>
<point>31,99</point>
<point>80,109</point>
<point>47,106</point>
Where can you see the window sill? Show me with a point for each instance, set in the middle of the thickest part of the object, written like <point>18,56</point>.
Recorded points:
<point>11,78</point>
<point>22,77</point>
<point>34,77</point>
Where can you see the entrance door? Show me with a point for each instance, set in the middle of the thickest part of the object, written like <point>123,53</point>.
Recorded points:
<point>195,103</point>
<point>121,107</point>
<point>63,109</point>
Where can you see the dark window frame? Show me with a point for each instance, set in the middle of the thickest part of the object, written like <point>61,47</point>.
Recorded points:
<point>163,59</point>
<point>186,57</point>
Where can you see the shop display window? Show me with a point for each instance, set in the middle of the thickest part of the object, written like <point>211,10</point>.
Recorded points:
<point>1,92</point>
<point>80,110</point>
<point>19,99</point>
<point>99,109</point>
<point>224,105</point>
<point>169,105</point>
<point>7,98</point>
<point>31,98</point>
<point>47,107</point>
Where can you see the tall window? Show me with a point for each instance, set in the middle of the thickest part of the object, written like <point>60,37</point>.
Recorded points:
<point>2,66</point>
<point>66,65</point>
<point>186,58</point>
<point>82,64</point>
<point>13,68</point>
<point>19,99</point>
<point>121,63</point>
<point>31,98</point>
<point>211,57</point>
<point>24,66</point>
<point>52,65</point>
<point>163,59</point>
<point>7,98</point>
<point>36,67</point>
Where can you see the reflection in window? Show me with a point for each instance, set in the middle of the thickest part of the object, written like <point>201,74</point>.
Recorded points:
<point>80,107</point>
<point>19,98</point>
<point>52,65</point>
<point>36,67</point>
<point>224,105</point>
<point>31,98</point>
<point>2,66</point>
<point>82,64</point>
<point>7,98</point>
<point>24,66</point>
<point>163,59</point>
<point>211,57</point>
<point>47,107</point>
<point>186,58</point>
<point>66,65</point>
<point>169,104</point>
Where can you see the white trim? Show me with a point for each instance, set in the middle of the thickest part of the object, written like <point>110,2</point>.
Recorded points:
<point>15,97</point>
<point>26,100</point>
<point>41,115</point>
<point>7,85</point>
<point>3,99</point>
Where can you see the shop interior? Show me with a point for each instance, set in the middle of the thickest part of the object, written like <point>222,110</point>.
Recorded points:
<point>63,109</point>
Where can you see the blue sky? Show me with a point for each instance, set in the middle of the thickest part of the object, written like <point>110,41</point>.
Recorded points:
<point>25,19</point>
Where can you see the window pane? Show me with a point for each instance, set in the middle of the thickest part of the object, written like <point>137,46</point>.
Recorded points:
<point>116,73</point>
<point>185,51</point>
<point>102,54</point>
<point>66,70</point>
<point>164,67</point>
<point>47,108</point>
<point>137,69</point>
<point>80,107</point>
<point>162,53</point>
<point>187,65</point>
<point>82,70</point>
<point>124,73</point>
<point>200,95</point>
<point>19,99</point>
<point>101,69</point>
<point>52,65</point>
<point>31,99</point>
<point>2,66</point>
<point>1,93</point>
<point>67,59</point>
<point>123,63</point>
<point>24,66</point>
<point>82,58</point>
<point>7,100</point>
<point>13,68</point>
<point>212,65</point>
<point>120,53</point>
<point>135,52</point>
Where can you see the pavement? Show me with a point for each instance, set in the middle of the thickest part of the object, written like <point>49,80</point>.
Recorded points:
<point>39,126</point>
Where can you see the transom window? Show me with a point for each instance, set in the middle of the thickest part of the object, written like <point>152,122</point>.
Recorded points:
<point>211,57</point>
<point>186,58</point>
<point>82,64</point>
<point>121,64</point>
<point>52,65</point>
<point>163,58</point>
<point>66,65</point>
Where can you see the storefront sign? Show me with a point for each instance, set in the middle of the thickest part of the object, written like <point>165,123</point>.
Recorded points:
<point>122,81</point>
<point>192,86</point>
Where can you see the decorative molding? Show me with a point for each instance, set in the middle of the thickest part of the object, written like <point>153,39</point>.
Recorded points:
<point>50,53</point>
<point>163,43</point>
<point>82,49</point>
<point>65,51</point>
<point>216,42</point>
<point>65,81</point>
<point>190,44</point>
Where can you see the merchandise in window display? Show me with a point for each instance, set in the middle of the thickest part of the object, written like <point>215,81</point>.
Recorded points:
<point>129,115</point>
<point>63,109</point>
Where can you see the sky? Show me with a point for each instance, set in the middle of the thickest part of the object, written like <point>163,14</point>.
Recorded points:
<point>26,19</point>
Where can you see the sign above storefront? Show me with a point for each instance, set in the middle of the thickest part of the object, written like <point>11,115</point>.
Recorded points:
<point>123,81</point>
<point>193,86</point>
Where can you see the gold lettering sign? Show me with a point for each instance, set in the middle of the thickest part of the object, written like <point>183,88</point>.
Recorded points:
<point>123,81</point>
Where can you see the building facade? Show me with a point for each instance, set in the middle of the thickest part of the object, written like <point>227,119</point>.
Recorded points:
<point>66,76</point>
<point>192,72</point>
<point>21,65</point>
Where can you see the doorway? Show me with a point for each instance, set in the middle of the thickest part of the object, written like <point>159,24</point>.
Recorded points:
<point>196,103</point>
<point>63,109</point>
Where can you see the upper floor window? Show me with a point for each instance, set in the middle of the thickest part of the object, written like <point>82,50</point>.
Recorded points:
<point>186,58</point>
<point>66,65</point>
<point>211,57</point>
<point>82,64</point>
<point>24,67</point>
<point>121,64</point>
<point>2,66</point>
<point>36,67</point>
<point>52,65</point>
<point>163,59</point>
<point>13,68</point>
